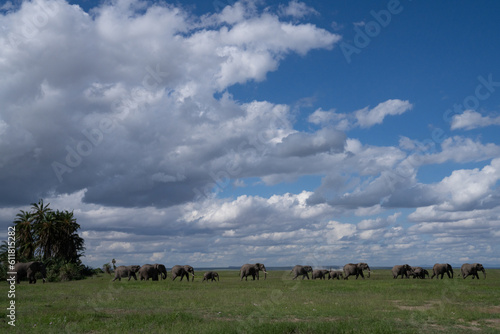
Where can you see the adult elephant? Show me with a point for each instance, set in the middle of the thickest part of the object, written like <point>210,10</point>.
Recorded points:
<point>126,271</point>
<point>404,270</point>
<point>419,272</point>
<point>335,274</point>
<point>301,270</point>
<point>356,269</point>
<point>210,275</point>
<point>148,271</point>
<point>472,269</point>
<point>252,270</point>
<point>30,269</point>
<point>441,269</point>
<point>162,270</point>
<point>182,271</point>
<point>319,273</point>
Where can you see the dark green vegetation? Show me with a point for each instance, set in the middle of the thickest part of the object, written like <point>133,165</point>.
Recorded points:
<point>379,304</point>
<point>43,234</point>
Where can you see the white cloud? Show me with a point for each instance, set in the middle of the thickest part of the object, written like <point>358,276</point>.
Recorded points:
<point>364,118</point>
<point>341,122</point>
<point>471,119</point>
<point>336,231</point>
<point>368,117</point>
<point>297,9</point>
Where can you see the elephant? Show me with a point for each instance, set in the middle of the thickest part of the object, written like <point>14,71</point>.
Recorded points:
<point>335,274</point>
<point>210,275</point>
<point>301,270</point>
<point>162,271</point>
<point>356,269</point>
<point>126,271</point>
<point>148,271</point>
<point>419,272</point>
<point>182,271</point>
<point>319,273</point>
<point>472,269</point>
<point>441,269</point>
<point>30,269</point>
<point>252,270</point>
<point>403,270</point>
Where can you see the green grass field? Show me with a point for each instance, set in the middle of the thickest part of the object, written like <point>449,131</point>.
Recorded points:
<point>379,304</point>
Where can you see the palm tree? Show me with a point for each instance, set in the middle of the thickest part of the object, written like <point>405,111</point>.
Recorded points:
<point>25,241</point>
<point>107,268</point>
<point>48,234</point>
<point>4,253</point>
<point>69,244</point>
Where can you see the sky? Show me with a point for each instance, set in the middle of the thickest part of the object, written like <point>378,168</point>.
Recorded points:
<point>218,133</point>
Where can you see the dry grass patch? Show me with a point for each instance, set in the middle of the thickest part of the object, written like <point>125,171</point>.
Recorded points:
<point>430,304</point>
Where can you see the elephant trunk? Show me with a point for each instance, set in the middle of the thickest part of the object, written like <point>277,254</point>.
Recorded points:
<point>484,272</point>
<point>265,274</point>
<point>369,272</point>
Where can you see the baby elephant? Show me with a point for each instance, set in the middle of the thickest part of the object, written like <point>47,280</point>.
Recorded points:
<point>210,275</point>
<point>335,274</point>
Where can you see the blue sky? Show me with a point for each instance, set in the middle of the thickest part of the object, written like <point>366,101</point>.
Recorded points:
<point>220,133</point>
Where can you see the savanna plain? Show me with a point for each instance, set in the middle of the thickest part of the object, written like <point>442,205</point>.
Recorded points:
<point>379,304</point>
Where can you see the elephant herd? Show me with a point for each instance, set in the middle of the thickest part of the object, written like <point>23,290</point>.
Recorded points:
<point>156,271</point>
<point>405,270</point>
<point>439,269</point>
<point>350,269</point>
<point>153,271</point>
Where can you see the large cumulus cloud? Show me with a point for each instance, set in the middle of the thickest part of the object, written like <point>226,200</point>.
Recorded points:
<point>120,101</point>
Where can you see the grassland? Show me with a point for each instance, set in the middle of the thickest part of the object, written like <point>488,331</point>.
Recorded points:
<point>379,304</point>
